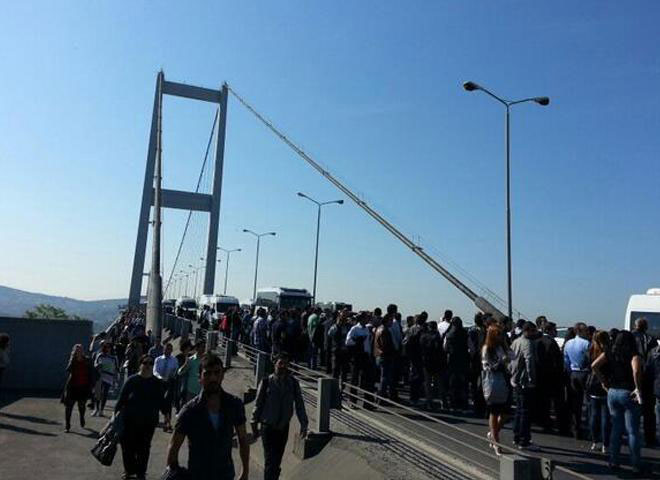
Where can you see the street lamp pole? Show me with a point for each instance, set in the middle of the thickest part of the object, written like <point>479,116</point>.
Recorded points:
<point>256,263</point>
<point>543,101</point>
<point>228,252</point>
<point>318,229</point>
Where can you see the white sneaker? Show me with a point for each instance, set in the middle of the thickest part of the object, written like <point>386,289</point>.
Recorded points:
<point>489,436</point>
<point>594,447</point>
<point>95,413</point>
<point>604,449</point>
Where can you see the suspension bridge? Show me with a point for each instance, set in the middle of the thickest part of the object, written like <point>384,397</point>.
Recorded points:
<point>197,247</point>
<point>395,441</point>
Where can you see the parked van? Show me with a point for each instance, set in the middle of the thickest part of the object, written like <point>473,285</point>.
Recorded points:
<point>647,306</point>
<point>219,303</point>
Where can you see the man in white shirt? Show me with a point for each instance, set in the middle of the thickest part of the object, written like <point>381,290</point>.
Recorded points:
<point>165,368</point>
<point>445,323</point>
<point>358,341</point>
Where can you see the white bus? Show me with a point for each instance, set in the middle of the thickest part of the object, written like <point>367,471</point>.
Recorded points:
<point>647,306</point>
<point>281,297</point>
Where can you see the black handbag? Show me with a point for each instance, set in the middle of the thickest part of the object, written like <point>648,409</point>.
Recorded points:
<point>105,448</point>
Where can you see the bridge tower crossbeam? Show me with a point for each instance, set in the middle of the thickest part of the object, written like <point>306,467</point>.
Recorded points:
<point>177,199</point>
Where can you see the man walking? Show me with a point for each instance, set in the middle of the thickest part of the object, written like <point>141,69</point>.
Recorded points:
<point>578,366</point>
<point>523,380</point>
<point>189,373</point>
<point>209,422</point>
<point>165,368</point>
<point>384,353</point>
<point>315,332</point>
<point>140,400</point>
<point>276,397</point>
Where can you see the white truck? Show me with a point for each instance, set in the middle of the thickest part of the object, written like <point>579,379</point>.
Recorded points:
<point>647,306</point>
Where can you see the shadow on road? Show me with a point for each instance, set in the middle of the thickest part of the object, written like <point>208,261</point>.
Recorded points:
<point>27,418</point>
<point>29,431</point>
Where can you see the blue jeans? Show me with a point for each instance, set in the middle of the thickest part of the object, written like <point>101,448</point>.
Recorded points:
<point>521,427</point>
<point>625,415</point>
<point>599,421</point>
<point>386,385</point>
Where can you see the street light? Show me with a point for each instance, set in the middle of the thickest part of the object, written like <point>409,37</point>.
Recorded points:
<point>228,252</point>
<point>318,228</point>
<point>543,101</point>
<point>256,263</point>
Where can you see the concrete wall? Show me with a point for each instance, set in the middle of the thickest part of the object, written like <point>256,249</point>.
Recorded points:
<point>39,351</point>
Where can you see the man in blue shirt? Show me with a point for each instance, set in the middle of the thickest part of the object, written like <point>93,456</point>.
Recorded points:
<point>578,366</point>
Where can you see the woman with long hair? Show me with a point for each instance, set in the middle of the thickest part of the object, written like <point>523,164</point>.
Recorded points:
<point>623,383</point>
<point>494,360</point>
<point>79,385</point>
<point>599,414</point>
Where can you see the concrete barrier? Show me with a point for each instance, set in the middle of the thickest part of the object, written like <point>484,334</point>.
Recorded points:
<point>517,467</point>
<point>39,351</point>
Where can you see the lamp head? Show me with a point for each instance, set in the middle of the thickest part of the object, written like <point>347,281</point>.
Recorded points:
<point>300,194</point>
<point>238,250</point>
<point>245,230</point>
<point>340,202</point>
<point>542,101</point>
<point>272,233</point>
<point>471,86</point>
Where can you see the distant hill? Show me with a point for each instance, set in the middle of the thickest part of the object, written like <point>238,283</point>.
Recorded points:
<point>14,303</point>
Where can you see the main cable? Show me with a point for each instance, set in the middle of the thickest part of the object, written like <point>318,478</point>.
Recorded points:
<point>360,203</point>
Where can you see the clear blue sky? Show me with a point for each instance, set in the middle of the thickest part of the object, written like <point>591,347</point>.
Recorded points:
<point>373,91</point>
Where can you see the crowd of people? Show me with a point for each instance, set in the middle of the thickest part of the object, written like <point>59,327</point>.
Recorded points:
<point>597,386</point>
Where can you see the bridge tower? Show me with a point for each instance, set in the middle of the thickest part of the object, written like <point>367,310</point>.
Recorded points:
<point>181,199</point>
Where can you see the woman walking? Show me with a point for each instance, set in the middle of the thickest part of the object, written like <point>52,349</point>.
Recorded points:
<point>139,402</point>
<point>79,385</point>
<point>623,382</point>
<point>599,414</point>
<point>494,361</point>
<point>106,365</point>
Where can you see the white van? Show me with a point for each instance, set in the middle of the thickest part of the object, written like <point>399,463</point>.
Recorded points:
<point>647,306</point>
<point>219,303</point>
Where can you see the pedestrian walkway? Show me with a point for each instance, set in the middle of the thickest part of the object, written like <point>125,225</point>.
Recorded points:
<point>33,445</point>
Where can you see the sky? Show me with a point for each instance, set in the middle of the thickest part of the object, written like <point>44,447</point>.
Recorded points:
<point>371,90</point>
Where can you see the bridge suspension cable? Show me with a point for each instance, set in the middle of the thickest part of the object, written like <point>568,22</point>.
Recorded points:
<point>479,301</point>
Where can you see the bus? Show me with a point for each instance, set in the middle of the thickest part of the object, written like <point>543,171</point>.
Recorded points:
<point>647,306</point>
<point>283,298</point>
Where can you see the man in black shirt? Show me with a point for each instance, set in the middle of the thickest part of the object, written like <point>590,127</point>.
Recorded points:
<point>141,397</point>
<point>209,421</point>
